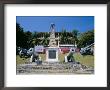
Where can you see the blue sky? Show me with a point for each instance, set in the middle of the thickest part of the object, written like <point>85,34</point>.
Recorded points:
<point>42,23</point>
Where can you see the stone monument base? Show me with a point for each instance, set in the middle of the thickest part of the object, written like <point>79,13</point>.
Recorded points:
<point>52,54</point>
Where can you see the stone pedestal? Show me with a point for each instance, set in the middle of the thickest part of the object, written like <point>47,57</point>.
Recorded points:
<point>52,54</point>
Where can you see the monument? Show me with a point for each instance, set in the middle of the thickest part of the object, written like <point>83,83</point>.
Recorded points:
<point>52,50</point>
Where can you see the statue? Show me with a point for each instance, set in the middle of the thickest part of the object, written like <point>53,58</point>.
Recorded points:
<point>35,57</point>
<point>52,41</point>
<point>52,25</point>
<point>70,57</point>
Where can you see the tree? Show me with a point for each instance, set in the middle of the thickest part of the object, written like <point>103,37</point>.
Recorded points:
<point>75,34</point>
<point>23,39</point>
<point>28,38</point>
<point>64,37</point>
<point>86,38</point>
<point>20,36</point>
<point>45,40</point>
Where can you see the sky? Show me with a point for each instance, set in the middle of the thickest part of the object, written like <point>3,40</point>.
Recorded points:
<point>42,23</point>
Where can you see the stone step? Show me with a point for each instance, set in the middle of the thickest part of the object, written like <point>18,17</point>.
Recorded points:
<point>47,67</point>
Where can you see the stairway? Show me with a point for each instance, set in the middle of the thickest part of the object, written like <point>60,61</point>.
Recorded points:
<point>53,68</point>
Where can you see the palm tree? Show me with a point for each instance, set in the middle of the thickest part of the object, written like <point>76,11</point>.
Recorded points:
<point>75,34</point>
<point>45,40</point>
<point>35,39</point>
<point>65,37</point>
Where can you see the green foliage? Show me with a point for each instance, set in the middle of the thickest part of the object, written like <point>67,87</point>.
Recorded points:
<point>20,36</point>
<point>86,38</point>
<point>75,34</point>
<point>64,37</point>
<point>87,60</point>
<point>28,39</point>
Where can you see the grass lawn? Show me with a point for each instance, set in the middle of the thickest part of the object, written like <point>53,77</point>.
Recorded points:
<point>23,60</point>
<point>20,60</point>
<point>43,56</point>
<point>86,60</point>
<point>61,56</point>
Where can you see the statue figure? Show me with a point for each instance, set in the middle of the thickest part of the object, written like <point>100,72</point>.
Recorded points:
<point>70,57</point>
<point>35,57</point>
<point>52,25</point>
<point>52,41</point>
